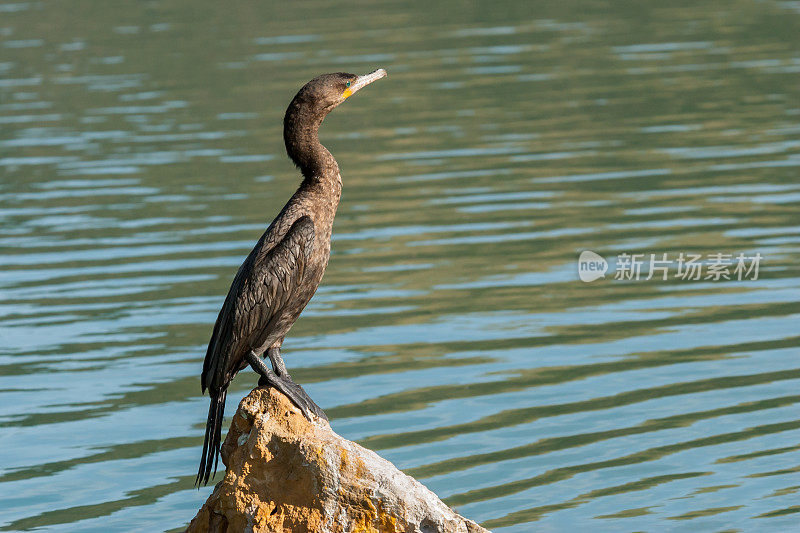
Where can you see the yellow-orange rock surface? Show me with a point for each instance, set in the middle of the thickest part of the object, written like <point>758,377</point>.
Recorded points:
<point>288,475</point>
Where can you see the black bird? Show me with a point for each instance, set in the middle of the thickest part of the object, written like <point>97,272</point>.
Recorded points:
<point>282,272</point>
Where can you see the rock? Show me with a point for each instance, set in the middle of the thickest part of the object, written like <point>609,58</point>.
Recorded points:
<point>286,474</point>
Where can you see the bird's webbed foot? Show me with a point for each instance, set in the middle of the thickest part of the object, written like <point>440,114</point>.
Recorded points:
<point>287,386</point>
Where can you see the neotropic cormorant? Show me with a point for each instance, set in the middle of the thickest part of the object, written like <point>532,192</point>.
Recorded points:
<point>282,272</point>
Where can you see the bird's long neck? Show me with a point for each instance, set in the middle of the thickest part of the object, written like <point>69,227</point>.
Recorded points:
<point>317,164</point>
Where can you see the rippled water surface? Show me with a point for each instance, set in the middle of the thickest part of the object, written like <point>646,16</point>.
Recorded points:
<point>141,157</point>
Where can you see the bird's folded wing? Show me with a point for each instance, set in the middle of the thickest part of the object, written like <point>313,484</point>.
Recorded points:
<point>259,293</point>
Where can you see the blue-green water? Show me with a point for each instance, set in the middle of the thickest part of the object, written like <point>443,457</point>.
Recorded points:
<point>141,157</point>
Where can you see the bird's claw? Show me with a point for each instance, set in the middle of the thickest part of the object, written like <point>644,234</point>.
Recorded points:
<point>296,394</point>
<point>302,400</point>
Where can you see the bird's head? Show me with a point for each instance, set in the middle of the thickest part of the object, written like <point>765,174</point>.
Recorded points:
<point>307,111</point>
<point>327,91</point>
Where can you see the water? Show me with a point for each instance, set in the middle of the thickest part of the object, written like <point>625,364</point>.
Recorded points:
<point>141,157</point>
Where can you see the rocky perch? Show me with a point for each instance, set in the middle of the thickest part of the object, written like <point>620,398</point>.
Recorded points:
<point>286,474</point>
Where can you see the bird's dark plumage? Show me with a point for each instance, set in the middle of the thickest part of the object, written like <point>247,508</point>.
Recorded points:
<point>284,269</point>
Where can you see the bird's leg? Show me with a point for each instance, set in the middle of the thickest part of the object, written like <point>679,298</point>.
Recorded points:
<point>274,354</point>
<point>284,383</point>
<point>275,358</point>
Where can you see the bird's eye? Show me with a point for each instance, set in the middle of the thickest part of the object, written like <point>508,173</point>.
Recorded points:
<point>348,84</point>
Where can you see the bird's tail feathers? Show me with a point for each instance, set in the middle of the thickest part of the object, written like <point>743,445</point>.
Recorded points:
<point>212,440</point>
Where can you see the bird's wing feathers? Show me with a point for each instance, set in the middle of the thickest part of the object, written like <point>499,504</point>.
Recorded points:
<point>261,289</point>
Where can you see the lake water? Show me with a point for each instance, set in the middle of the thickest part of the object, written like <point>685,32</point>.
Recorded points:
<point>141,157</point>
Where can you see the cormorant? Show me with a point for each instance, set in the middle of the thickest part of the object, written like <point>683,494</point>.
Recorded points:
<point>282,272</point>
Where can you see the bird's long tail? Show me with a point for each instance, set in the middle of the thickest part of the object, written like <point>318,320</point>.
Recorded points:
<point>211,443</point>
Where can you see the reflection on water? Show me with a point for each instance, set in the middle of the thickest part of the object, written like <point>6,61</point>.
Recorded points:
<point>141,156</point>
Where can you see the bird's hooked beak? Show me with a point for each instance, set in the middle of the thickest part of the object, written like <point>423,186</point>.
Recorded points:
<point>363,81</point>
